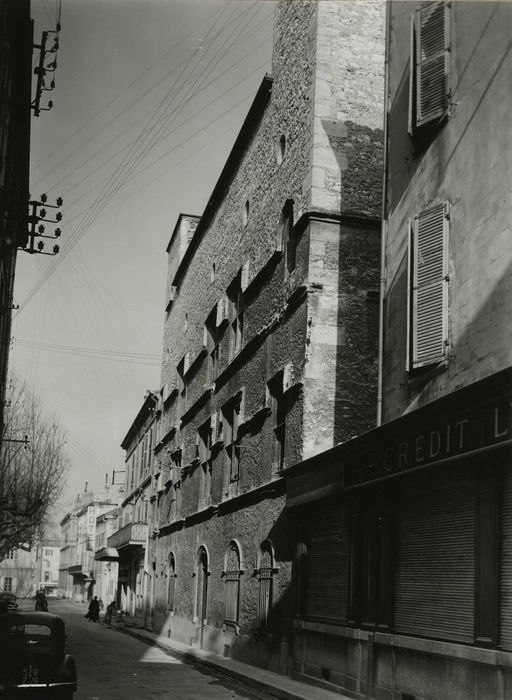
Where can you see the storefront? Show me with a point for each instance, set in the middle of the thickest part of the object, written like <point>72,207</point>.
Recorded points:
<point>404,553</point>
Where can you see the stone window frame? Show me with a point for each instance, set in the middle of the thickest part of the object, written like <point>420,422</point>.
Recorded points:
<point>171,582</point>
<point>232,573</point>
<point>265,571</point>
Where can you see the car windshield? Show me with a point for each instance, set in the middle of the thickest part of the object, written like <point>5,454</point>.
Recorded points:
<point>30,630</point>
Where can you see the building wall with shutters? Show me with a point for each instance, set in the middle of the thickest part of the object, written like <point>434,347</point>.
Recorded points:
<point>461,158</point>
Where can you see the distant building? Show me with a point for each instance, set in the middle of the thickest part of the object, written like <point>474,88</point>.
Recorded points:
<point>130,539</point>
<point>78,535</point>
<point>106,569</point>
<point>18,572</point>
<point>47,566</point>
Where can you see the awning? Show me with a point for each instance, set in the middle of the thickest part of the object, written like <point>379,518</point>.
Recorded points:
<point>106,554</point>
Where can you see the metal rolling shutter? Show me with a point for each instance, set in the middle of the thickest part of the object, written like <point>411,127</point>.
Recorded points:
<point>434,587</point>
<point>328,565</point>
<point>506,565</point>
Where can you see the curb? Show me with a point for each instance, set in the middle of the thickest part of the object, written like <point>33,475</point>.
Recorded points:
<point>258,684</point>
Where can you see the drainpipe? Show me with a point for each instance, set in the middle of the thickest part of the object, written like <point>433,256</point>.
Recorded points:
<point>384,225</point>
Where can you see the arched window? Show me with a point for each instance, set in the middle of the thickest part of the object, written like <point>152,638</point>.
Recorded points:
<point>232,573</point>
<point>171,581</point>
<point>265,575</point>
<point>202,572</point>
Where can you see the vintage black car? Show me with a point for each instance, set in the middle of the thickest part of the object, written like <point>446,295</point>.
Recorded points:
<point>8,602</point>
<point>33,659</point>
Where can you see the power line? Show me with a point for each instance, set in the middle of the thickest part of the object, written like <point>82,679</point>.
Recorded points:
<point>90,216</point>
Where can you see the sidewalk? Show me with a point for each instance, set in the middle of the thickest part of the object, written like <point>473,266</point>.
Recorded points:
<point>258,678</point>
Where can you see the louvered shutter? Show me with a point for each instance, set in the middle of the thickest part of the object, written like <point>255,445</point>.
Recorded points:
<point>432,54</point>
<point>435,576</point>
<point>326,595</point>
<point>506,566</point>
<point>430,286</point>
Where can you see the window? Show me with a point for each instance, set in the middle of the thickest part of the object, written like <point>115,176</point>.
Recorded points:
<point>372,562</point>
<point>232,418</point>
<point>430,53</point>
<point>182,386</point>
<point>46,575</point>
<point>205,457</point>
<point>428,296</point>
<point>171,581</point>
<point>289,241</point>
<point>48,552</point>
<point>265,575</point>
<point>10,554</point>
<point>232,574</point>
<point>212,346</point>
<point>175,505</point>
<point>278,402</point>
<point>281,149</point>
<point>8,584</point>
<point>246,212</point>
<point>236,315</point>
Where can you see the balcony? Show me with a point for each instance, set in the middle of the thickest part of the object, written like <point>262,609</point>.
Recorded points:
<point>129,536</point>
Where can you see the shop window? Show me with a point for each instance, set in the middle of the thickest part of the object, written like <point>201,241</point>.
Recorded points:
<point>289,240</point>
<point>171,581</point>
<point>236,315</point>
<point>371,564</point>
<point>430,63</point>
<point>265,574</point>
<point>428,287</point>
<point>323,564</point>
<point>232,573</point>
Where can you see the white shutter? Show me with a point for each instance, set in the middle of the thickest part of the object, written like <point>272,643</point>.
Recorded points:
<point>430,286</point>
<point>287,376</point>
<point>244,275</point>
<point>222,310</point>
<point>432,61</point>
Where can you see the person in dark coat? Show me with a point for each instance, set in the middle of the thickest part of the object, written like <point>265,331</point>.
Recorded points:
<point>94,610</point>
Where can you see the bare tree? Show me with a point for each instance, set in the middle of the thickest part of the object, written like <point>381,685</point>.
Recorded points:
<point>33,463</point>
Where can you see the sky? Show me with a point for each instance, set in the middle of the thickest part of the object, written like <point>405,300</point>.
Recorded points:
<point>149,97</point>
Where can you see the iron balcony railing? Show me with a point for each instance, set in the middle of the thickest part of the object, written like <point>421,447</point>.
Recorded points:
<point>131,535</point>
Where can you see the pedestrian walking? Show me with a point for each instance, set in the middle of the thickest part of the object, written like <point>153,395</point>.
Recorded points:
<point>94,610</point>
<point>109,613</point>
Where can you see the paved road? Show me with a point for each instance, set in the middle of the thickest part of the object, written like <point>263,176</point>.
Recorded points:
<point>114,666</point>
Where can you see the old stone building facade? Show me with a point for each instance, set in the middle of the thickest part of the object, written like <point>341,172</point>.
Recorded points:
<point>270,336</point>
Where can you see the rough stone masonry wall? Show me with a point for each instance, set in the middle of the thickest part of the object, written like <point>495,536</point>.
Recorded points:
<point>229,242</point>
<point>346,160</point>
<point>345,178</point>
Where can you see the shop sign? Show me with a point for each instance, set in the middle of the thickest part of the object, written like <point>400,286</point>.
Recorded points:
<point>411,447</point>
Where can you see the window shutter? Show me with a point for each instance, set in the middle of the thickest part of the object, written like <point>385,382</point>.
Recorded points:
<point>287,376</point>
<point>432,56</point>
<point>430,286</point>
<point>222,310</point>
<point>244,275</point>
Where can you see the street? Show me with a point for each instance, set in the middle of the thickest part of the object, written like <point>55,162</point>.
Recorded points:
<point>111,665</point>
